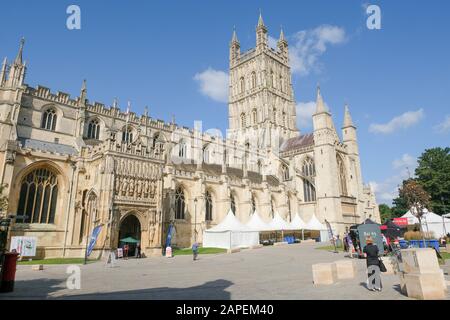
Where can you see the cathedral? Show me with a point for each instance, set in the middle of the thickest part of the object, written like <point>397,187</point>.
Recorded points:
<point>70,165</point>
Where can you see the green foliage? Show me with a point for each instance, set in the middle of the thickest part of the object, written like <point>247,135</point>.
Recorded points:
<point>400,206</point>
<point>385,212</point>
<point>433,174</point>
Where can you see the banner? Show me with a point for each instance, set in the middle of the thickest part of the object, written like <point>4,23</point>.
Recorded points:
<point>93,239</point>
<point>169,235</point>
<point>400,221</point>
<point>24,246</point>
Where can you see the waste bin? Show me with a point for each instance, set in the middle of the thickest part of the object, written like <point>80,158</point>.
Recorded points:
<point>9,272</point>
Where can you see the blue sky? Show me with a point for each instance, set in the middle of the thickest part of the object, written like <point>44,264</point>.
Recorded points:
<point>158,53</point>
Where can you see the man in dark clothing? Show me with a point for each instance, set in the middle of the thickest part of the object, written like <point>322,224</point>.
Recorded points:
<point>373,266</point>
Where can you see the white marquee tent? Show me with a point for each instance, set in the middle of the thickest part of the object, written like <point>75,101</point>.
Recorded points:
<point>297,223</point>
<point>315,225</point>
<point>230,233</point>
<point>279,224</point>
<point>430,222</point>
<point>256,223</point>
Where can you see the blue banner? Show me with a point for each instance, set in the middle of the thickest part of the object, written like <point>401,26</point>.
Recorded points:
<point>169,235</point>
<point>93,239</point>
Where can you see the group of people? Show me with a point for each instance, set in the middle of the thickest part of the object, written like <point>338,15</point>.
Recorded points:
<point>126,250</point>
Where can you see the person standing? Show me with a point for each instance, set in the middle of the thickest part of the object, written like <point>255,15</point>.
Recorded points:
<point>373,266</point>
<point>195,250</point>
<point>125,251</point>
<point>350,245</point>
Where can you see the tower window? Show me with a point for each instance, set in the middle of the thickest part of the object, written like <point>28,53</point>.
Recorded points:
<point>253,80</point>
<point>243,120</point>
<point>179,204</point>
<point>242,85</point>
<point>127,134</point>
<point>93,129</point>
<point>182,149</point>
<point>208,206</point>
<point>309,172</point>
<point>49,119</point>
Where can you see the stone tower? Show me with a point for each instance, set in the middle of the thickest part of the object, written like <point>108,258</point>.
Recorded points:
<point>261,101</point>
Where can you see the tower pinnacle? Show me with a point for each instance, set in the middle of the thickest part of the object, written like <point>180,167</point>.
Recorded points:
<point>18,59</point>
<point>347,118</point>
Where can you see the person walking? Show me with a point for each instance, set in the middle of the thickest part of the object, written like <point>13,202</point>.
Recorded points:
<point>138,251</point>
<point>195,250</point>
<point>125,251</point>
<point>373,266</point>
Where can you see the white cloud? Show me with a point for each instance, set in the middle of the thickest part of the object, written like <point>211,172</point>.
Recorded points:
<point>308,45</point>
<point>213,84</point>
<point>305,111</point>
<point>387,189</point>
<point>444,126</point>
<point>405,161</point>
<point>402,121</point>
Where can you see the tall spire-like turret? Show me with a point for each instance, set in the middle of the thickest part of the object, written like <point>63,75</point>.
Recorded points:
<point>18,59</point>
<point>3,71</point>
<point>234,38</point>
<point>347,118</point>
<point>283,46</point>
<point>261,33</point>
<point>320,105</point>
<point>235,47</point>
<point>83,93</point>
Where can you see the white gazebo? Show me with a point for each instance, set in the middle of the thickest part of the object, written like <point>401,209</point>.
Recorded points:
<point>279,224</point>
<point>315,225</point>
<point>257,224</point>
<point>297,223</point>
<point>229,234</point>
<point>432,222</point>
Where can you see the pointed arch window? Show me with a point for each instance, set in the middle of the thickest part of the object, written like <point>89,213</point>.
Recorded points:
<point>233,204</point>
<point>93,129</point>
<point>208,206</point>
<point>242,85</point>
<point>38,197</point>
<point>49,119</point>
<point>309,173</point>
<point>243,120</point>
<point>253,203</point>
<point>127,134</point>
<point>342,176</point>
<point>253,80</point>
<point>254,116</point>
<point>182,149</point>
<point>179,204</point>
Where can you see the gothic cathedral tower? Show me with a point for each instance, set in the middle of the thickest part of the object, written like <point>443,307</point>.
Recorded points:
<point>261,99</point>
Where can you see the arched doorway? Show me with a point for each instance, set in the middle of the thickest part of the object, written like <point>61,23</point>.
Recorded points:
<point>130,227</point>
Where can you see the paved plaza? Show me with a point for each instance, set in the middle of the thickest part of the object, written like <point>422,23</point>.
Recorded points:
<point>281,272</point>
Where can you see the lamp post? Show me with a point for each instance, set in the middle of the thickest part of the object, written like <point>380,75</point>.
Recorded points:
<point>195,219</point>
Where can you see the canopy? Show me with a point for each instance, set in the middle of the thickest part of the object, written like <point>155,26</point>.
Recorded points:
<point>278,223</point>
<point>129,240</point>
<point>230,223</point>
<point>256,223</point>
<point>315,224</point>
<point>230,233</point>
<point>430,222</point>
<point>391,230</point>
<point>297,223</point>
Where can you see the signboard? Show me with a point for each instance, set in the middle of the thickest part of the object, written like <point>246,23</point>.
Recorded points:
<point>372,231</point>
<point>169,252</point>
<point>401,221</point>
<point>93,239</point>
<point>24,246</point>
<point>119,253</point>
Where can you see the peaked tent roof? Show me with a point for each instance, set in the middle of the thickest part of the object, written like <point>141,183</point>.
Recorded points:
<point>229,223</point>
<point>256,223</point>
<point>428,217</point>
<point>315,224</point>
<point>297,223</point>
<point>278,223</point>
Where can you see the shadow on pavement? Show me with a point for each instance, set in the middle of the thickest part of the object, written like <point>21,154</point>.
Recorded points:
<point>34,289</point>
<point>209,290</point>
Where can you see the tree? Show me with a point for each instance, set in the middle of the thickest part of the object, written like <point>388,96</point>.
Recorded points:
<point>400,206</point>
<point>385,212</point>
<point>433,173</point>
<point>416,198</point>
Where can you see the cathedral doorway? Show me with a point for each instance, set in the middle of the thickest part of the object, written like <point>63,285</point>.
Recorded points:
<point>130,227</point>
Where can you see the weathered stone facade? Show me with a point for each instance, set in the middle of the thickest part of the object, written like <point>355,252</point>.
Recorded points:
<point>71,165</point>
